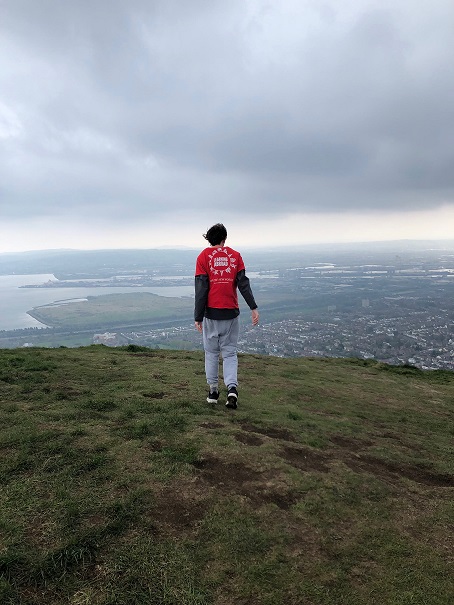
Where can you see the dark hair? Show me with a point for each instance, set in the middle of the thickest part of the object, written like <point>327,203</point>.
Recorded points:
<point>216,234</point>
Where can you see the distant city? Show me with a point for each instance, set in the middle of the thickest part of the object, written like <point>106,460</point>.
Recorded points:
<point>400,318</point>
<point>392,303</point>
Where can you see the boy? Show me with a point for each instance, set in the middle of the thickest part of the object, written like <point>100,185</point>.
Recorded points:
<point>219,272</point>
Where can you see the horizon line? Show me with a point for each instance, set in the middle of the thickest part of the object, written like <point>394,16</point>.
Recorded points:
<point>250,247</point>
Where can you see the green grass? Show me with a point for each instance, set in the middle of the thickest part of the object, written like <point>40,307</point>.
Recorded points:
<point>331,484</point>
<point>114,310</point>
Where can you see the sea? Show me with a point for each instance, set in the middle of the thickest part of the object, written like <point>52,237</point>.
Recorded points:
<point>16,301</point>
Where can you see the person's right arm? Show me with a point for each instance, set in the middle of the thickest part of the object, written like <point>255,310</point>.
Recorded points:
<point>202,286</point>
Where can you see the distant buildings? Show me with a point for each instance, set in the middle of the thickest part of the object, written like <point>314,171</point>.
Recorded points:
<point>110,339</point>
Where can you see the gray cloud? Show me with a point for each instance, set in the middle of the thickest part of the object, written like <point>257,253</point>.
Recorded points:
<point>140,108</point>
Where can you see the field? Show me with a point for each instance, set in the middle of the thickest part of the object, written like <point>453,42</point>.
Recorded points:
<point>143,308</point>
<point>114,310</point>
<point>331,484</point>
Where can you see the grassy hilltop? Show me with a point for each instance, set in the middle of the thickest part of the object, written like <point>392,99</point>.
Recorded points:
<point>331,484</point>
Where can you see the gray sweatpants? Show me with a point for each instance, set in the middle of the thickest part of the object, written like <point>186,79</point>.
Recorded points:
<point>220,337</point>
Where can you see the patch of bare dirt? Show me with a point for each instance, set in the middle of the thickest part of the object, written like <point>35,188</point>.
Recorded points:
<point>223,599</point>
<point>282,500</point>
<point>283,434</point>
<point>178,508</point>
<point>158,376</point>
<point>211,425</point>
<point>159,395</point>
<point>388,469</point>
<point>155,446</point>
<point>225,474</point>
<point>65,393</point>
<point>349,443</point>
<point>399,439</point>
<point>237,478</point>
<point>179,514</point>
<point>248,439</point>
<point>305,459</point>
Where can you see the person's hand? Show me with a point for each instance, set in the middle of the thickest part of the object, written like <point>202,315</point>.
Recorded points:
<point>198,325</point>
<point>255,317</point>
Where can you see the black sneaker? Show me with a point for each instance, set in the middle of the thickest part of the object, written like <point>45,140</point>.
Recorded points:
<point>213,397</point>
<point>232,399</point>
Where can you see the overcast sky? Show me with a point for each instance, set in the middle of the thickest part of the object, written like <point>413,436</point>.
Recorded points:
<point>140,123</point>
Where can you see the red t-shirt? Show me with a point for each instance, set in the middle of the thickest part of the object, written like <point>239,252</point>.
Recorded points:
<point>221,264</point>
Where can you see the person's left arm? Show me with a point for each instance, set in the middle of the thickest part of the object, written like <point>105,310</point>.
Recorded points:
<point>242,281</point>
<point>244,287</point>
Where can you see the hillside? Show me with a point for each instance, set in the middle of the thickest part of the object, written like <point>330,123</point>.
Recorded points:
<point>331,484</point>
